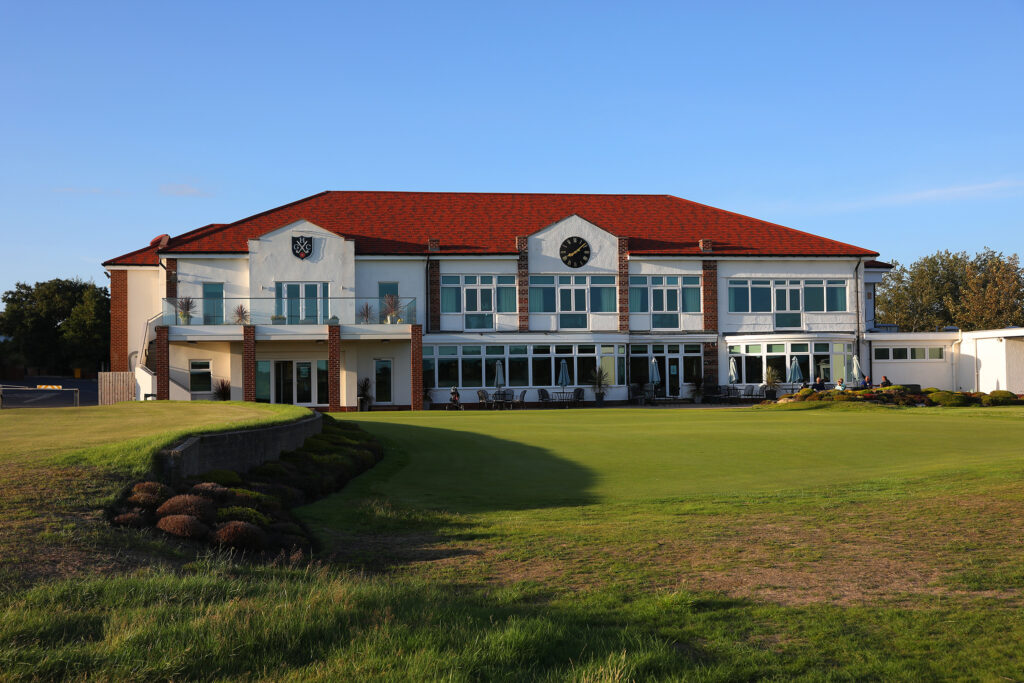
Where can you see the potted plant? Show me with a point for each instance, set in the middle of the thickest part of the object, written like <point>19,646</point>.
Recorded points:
<point>599,380</point>
<point>186,309</point>
<point>241,315</point>
<point>391,307</point>
<point>333,320</point>
<point>277,320</point>
<point>363,394</point>
<point>365,314</point>
<point>771,383</point>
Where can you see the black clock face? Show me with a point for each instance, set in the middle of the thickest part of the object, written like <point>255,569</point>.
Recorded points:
<point>574,252</point>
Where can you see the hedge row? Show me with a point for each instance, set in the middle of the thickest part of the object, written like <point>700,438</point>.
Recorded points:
<point>251,511</point>
<point>902,396</point>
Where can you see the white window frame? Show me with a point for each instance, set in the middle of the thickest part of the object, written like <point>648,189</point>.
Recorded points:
<point>193,372</point>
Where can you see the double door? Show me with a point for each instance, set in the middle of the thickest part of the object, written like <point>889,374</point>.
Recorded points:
<point>300,382</point>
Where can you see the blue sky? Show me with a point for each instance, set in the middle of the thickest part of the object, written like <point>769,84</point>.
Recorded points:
<point>894,126</point>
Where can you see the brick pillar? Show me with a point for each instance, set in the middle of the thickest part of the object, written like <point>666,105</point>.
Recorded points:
<point>416,366</point>
<point>709,305</point>
<point>334,368</point>
<point>119,321</point>
<point>172,278</point>
<point>623,284</point>
<point>248,363</point>
<point>523,282</point>
<point>710,364</point>
<point>434,295</point>
<point>163,364</point>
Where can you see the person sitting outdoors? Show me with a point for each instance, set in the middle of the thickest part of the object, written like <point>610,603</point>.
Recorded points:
<point>818,385</point>
<point>840,386</point>
<point>866,384</point>
<point>885,382</point>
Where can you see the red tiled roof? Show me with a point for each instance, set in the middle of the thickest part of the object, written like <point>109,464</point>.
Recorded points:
<point>488,223</point>
<point>147,256</point>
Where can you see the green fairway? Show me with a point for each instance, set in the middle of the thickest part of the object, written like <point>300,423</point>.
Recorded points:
<point>484,460</point>
<point>806,543</point>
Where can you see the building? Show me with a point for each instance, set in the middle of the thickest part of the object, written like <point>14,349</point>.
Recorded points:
<point>417,292</point>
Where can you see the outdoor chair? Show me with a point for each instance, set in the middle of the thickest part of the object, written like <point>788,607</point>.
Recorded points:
<point>483,399</point>
<point>712,394</point>
<point>577,397</point>
<point>636,394</point>
<point>544,397</point>
<point>521,402</point>
<point>649,394</point>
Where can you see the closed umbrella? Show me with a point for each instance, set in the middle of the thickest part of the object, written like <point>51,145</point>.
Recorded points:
<point>499,375</point>
<point>734,374</point>
<point>795,375</point>
<point>563,375</point>
<point>857,376</point>
<point>655,372</point>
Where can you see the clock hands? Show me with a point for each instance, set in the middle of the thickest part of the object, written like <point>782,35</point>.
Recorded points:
<point>578,250</point>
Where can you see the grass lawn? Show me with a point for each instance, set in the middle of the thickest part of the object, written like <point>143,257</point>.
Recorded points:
<point>58,466</point>
<point>839,543</point>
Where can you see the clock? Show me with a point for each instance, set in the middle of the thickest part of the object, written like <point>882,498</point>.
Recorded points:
<point>575,252</point>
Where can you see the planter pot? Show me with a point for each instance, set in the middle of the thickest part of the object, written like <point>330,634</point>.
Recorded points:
<point>276,321</point>
<point>771,394</point>
<point>364,404</point>
<point>697,398</point>
<point>184,319</point>
<point>599,400</point>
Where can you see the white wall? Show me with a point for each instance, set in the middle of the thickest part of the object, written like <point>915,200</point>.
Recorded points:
<point>410,276</point>
<point>927,373</point>
<point>233,272</point>
<point>789,269</point>
<point>1014,365</point>
<point>271,260</point>
<point>544,246</point>
<point>364,353</point>
<point>145,292</point>
<point>218,353</point>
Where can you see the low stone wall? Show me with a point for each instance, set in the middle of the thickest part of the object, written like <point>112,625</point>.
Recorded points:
<point>239,450</point>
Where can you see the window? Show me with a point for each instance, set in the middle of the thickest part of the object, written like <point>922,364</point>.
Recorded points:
<point>835,295</point>
<point>665,297</point>
<point>199,376</point>
<point>542,294</point>
<point>750,296</point>
<point>572,301</point>
<point>603,294</point>
<point>301,303</point>
<point>787,303</point>
<point>479,297</point>
<point>538,365</point>
<point>213,303</point>
<point>748,362</point>
<point>911,353</point>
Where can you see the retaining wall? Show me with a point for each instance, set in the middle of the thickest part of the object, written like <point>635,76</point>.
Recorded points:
<point>239,450</point>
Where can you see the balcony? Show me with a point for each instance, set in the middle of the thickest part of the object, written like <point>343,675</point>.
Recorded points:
<point>388,310</point>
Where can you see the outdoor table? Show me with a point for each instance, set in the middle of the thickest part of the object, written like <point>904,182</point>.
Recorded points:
<point>563,397</point>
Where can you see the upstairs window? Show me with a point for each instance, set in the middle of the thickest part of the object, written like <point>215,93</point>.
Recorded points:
<point>479,297</point>
<point>301,303</point>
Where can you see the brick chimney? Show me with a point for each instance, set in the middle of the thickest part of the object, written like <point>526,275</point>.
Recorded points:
<point>433,244</point>
<point>705,245</point>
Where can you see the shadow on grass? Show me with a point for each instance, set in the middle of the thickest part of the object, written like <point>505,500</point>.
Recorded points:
<point>412,506</point>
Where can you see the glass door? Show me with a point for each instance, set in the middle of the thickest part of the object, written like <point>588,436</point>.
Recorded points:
<point>382,377</point>
<point>673,376</point>
<point>283,390</point>
<point>303,382</point>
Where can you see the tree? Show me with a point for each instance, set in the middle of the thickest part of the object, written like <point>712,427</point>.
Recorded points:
<point>56,323</point>
<point>949,288</point>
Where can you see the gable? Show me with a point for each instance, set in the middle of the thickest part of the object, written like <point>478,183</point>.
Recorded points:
<point>545,244</point>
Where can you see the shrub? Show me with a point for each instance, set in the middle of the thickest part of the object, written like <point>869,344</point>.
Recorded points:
<point>843,397</point>
<point>222,390</point>
<point>254,499</point>
<point>154,488</point>
<point>242,535</point>
<point>195,506</point>
<point>222,477</point>
<point>950,400</point>
<point>929,390</point>
<point>185,526</point>
<point>287,528</point>
<point>211,490</point>
<point>993,400</point>
<point>275,469</point>
<point>1000,393</point>
<point>134,519</point>
<point>242,514</point>
<point>145,500</point>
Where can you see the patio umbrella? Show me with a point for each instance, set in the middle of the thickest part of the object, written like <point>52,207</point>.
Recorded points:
<point>499,375</point>
<point>655,372</point>
<point>734,374</point>
<point>795,375</point>
<point>563,375</point>
<point>857,375</point>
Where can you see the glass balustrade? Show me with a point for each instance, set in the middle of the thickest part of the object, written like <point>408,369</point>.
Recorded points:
<point>311,310</point>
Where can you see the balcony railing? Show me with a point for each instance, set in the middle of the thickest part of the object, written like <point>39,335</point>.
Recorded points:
<point>388,310</point>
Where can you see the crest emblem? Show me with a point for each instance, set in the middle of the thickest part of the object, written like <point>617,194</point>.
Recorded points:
<point>302,247</point>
